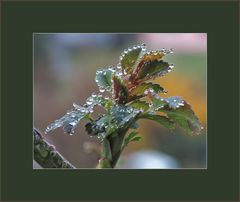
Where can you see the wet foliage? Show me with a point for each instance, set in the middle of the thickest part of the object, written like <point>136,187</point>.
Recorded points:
<point>127,93</point>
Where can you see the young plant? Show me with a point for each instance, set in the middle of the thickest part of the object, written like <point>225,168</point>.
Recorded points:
<point>127,94</point>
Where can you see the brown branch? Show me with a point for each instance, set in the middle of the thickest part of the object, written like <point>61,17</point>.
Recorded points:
<point>46,155</point>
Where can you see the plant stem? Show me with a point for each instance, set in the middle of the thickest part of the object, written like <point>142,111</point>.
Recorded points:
<point>114,147</point>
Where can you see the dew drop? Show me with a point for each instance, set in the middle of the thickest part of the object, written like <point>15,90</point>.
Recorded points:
<point>90,99</point>
<point>91,110</point>
<point>83,110</point>
<point>89,102</point>
<point>112,69</point>
<point>119,74</point>
<point>119,66</point>
<point>152,112</point>
<point>101,90</point>
<point>76,106</point>
<point>144,48</point>
<point>151,90</point>
<point>57,124</point>
<point>99,71</point>
<point>73,123</point>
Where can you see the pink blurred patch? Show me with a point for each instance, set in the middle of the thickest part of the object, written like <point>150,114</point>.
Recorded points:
<point>180,42</point>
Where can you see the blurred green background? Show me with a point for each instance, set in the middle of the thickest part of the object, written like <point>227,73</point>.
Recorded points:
<point>64,72</point>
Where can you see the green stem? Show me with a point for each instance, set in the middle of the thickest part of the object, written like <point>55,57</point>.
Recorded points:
<point>116,147</point>
<point>106,155</point>
<point>112,146</point>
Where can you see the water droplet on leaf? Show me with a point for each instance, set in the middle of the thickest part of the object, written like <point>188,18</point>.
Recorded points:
<point>101,90</point>
<point>89,102</point>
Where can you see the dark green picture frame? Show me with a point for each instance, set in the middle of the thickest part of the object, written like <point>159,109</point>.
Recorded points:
<point>19,182</point>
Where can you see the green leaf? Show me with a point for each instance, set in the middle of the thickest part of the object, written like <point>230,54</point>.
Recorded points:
<point>70,120</point>
<point>122,115</point>
<point>137,139</point>
<point>140,89</point>
<point>141,105</point>
<point>172,102</point>
<point>185,118</point>
<point>157,103</point>
<point>119,90</point>
<point>131,137</point>
<point>108,124</point>
<point>152,69</point>
<point>129,57</point>
<point>178,111</point>
<point>153,55</point>
<point>104,79</point>
<point>165,121</point>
